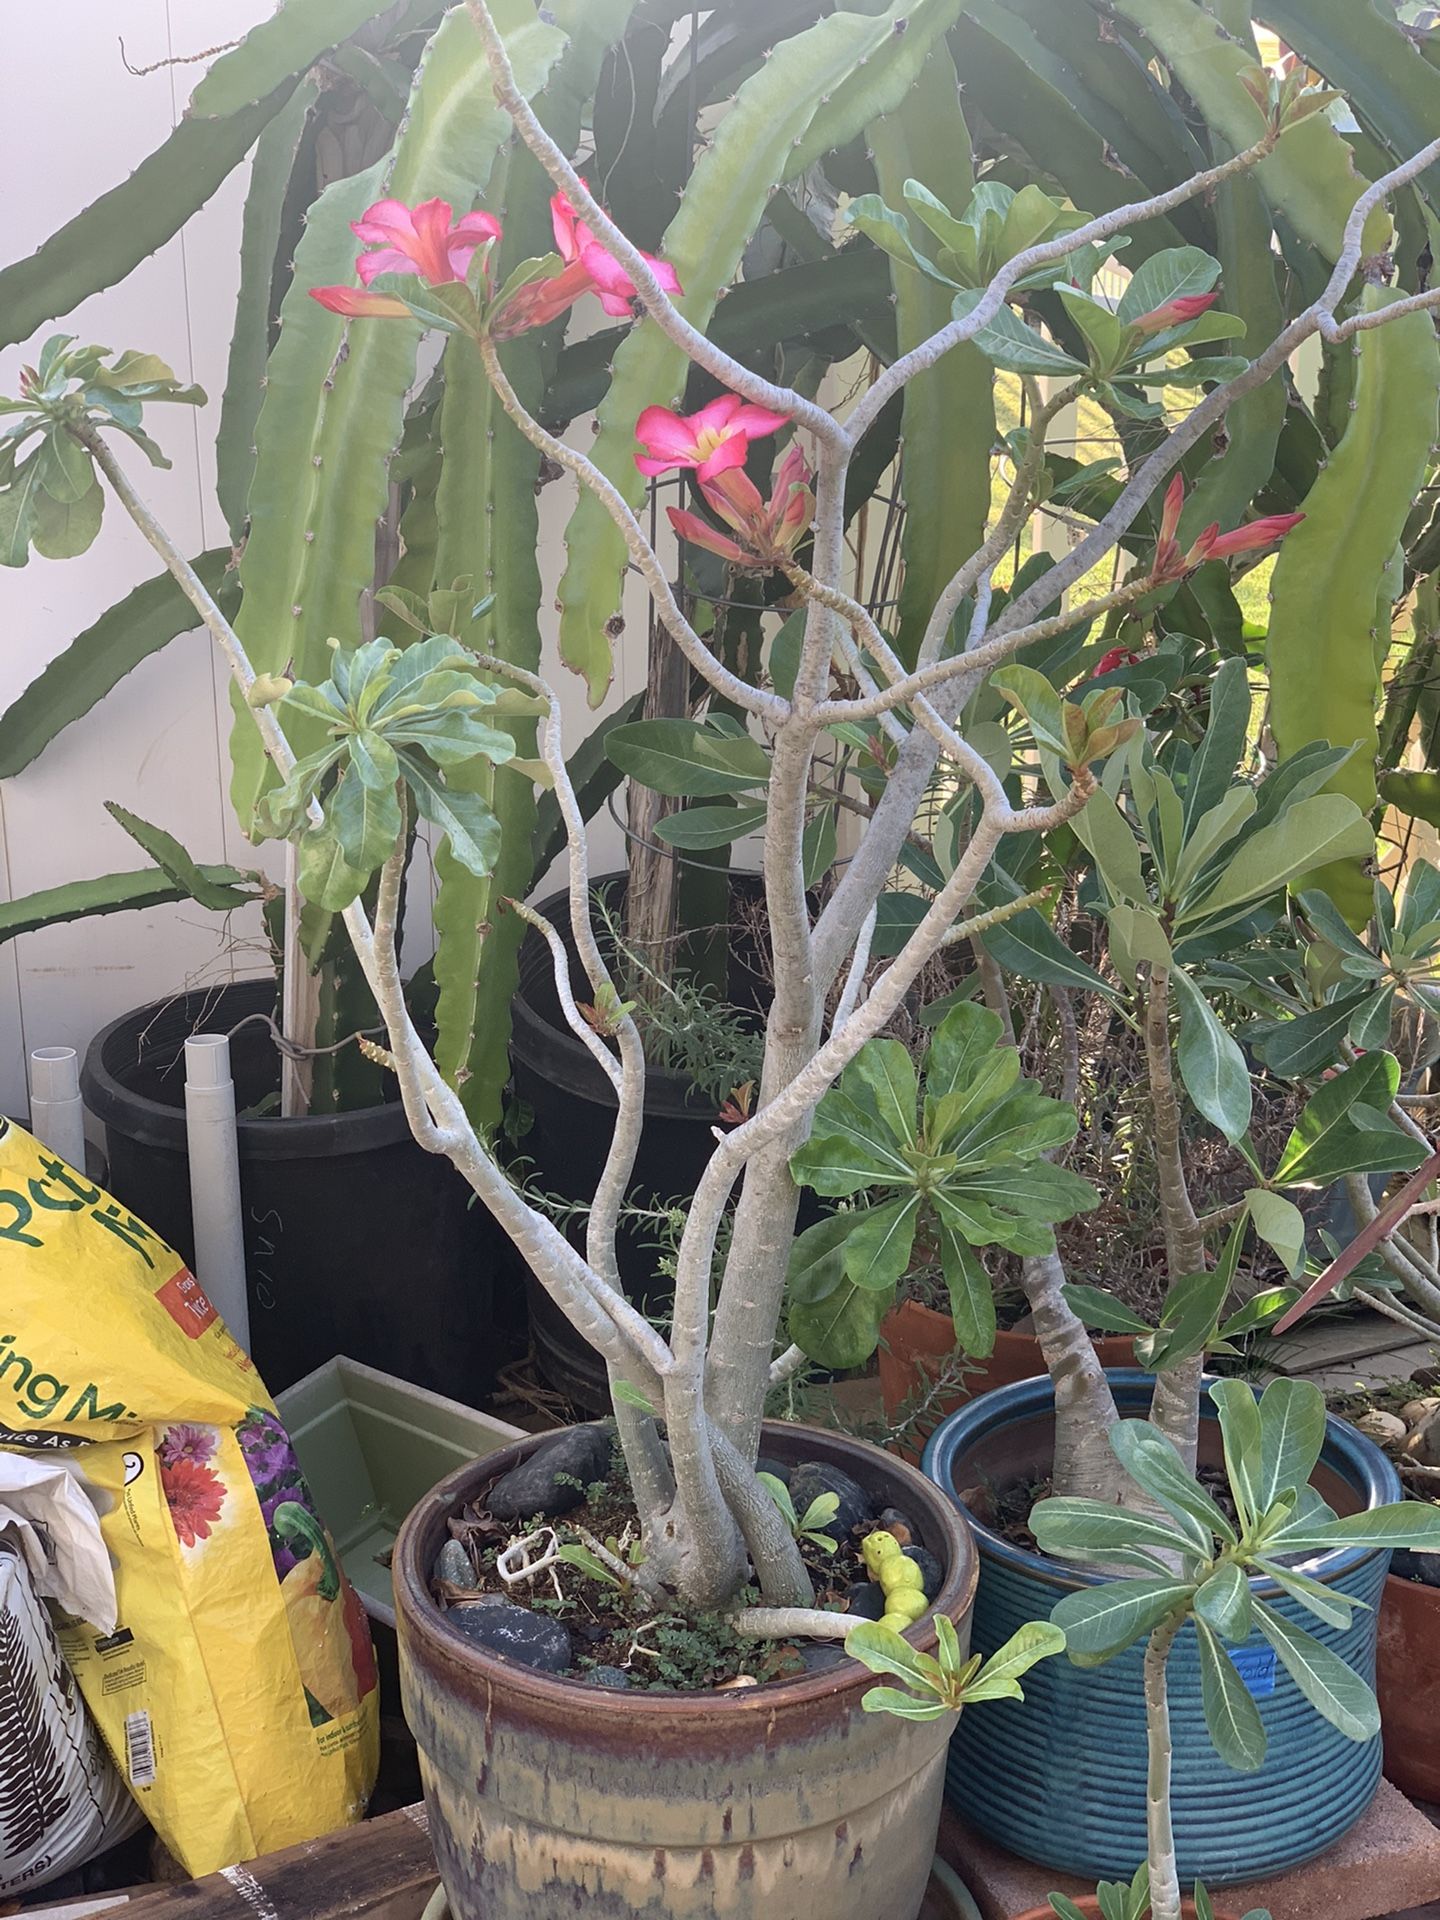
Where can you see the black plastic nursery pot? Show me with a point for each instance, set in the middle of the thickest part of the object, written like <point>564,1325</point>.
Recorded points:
<point>572,1109</point>
<point>356,1241</point>
<point>786,1801</point>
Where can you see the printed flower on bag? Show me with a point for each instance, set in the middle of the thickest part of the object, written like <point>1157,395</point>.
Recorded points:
<point>188,1442</point>
<point>194,1494</point>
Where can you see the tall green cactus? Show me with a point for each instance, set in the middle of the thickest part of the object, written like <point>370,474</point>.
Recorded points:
<point>489,527</point>
<point>236,100</point>
<point>1330,577</point>
<point>1225,487</point>
<point>250,342</point>
<point>948,424</point>
<point>335,394</point>
<point>1310,179</point>
<point>816,91</point>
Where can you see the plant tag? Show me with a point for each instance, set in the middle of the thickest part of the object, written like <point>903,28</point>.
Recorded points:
<point>1256,1667</point>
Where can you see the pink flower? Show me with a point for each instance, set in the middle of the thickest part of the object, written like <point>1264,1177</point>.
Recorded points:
<point>1173,313</point>
<point>586,267</point>
<point>771,530</point>
<point>186,1441</point>
<point>426,240</point>
<point>711,441</point>
<point>577,244</point>
<point>1171,564</point>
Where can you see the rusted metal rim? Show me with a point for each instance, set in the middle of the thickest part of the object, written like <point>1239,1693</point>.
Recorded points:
<point>471,1670</point>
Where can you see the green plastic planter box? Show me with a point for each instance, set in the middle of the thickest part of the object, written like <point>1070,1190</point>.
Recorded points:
<point>371,1446</point>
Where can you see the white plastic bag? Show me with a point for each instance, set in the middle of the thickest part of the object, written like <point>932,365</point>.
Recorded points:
<point>61,1801</point>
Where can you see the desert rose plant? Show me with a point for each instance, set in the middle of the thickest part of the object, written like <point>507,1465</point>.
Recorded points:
<point>394,734</point>
<point>1193,1566</point>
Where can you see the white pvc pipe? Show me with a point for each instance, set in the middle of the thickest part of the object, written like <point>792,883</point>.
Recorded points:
<point>215,1180</point>
<point>57,1115</point>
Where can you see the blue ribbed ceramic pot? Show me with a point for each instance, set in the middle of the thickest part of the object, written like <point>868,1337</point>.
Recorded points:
<point>1061,1778</point>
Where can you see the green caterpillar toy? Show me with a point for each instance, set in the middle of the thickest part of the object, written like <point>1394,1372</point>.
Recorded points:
<point>900,1580</point>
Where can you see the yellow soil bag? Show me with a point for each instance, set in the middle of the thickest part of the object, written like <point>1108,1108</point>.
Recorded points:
<point>237,1690</point>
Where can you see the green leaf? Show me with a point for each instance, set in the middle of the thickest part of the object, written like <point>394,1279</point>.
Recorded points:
<point>1076,1529</point>
<point>1299,1046</point>
<point>1326,1141</point>
<point>60,530</point>
<point>819,846</point>
<point>464,818</point>
<point>1175,273</point>
<point>193,882</point>
<point>1102,1312</point>
<point>366,821</point>
<point>1041,705</point>
<point>1335,1691</point>
<point>1211,1064</point>
<point>17,512</point>
<point>883,1650</point>
<point>972,1298</point>
<point>884,1070</point>
<point>323,874</point>
<point>1280,1223</point>
<point>1011,345</point>
<point>1212,831</point>
<point>1292,1433</point>
<point>1241,1432</point>
<point>1323,828</point>
<point>1103,828</point>
<point>877,1249</point>
<point>817,1259</point>
<point>1406,1523</point>
<point>998,1679</point>
<point>849,1149</point>
<point>1105,335</point>
<point>580,1557</point>
<point>1029,947</point>
<point>1154,1465</point>
<point>1099,1622</point>
<point>780,1494</point>
<point>1223,1603</point>
<point>959,1048</point>
<point>967,1113</point>
<point>631,1395</point>
<point>1330,1604</point>
<point>891,232</point>
<point>1231,1715</point>
<point>687,758</point>
<point>903,1705</point>
<point>843,1329</point>
<point>1220,752</point>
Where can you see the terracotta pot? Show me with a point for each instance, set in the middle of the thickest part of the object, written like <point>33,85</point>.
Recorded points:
<point>1407,1680</point>
<point>546,1796</point>
<point>915,1341</point>
<point>1091,1909</point>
